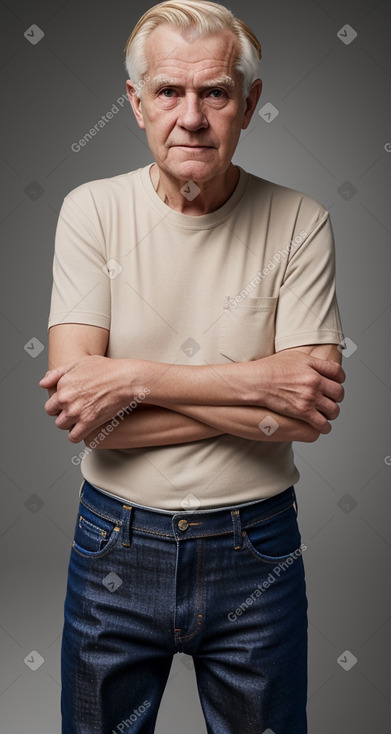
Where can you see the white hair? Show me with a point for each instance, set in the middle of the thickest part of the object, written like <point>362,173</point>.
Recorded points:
<point>205,18</point>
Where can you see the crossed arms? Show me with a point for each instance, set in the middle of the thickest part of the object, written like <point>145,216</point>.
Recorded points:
<point>299,388</point>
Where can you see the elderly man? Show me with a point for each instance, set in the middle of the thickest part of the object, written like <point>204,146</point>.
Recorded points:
<point>193,336</point>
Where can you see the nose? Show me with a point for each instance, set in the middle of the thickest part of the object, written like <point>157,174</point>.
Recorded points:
<point>191,115</point>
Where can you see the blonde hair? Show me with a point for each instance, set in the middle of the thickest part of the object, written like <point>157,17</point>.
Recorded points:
<point>206,18</point>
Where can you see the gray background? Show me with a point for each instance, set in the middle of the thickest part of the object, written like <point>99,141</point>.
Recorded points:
<point>333,127</point>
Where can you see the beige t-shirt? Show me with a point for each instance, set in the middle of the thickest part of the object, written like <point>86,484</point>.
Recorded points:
<point>252,278</point>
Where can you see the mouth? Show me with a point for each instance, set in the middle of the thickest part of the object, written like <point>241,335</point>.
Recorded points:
<point>194,147</point>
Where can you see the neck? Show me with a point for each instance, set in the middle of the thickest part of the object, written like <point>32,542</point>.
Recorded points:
<point>210,196</point>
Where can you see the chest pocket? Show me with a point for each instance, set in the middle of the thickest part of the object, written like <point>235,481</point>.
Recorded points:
<point>247,328</point>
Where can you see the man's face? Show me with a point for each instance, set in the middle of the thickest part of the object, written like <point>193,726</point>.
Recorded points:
<point>192,108</point>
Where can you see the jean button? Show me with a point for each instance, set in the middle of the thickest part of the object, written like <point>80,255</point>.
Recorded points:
<point>183,524</point>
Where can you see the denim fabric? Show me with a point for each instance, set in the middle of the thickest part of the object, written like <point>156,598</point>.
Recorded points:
<point>226,586</point>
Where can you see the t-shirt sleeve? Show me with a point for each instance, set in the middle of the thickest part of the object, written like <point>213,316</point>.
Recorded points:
<point>81,287</point>
<point>307,310</point>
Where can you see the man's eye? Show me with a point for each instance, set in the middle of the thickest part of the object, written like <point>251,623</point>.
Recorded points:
<point>167,92</point>
<point>216,93</point>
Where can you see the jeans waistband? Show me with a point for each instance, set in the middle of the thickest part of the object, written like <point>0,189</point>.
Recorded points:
<point>180,525</point>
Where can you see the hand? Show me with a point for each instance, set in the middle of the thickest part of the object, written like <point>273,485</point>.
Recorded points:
<point>85,394</point>
<point>298,385</point>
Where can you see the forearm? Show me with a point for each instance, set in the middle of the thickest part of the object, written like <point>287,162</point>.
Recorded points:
<point>243,421</point>
<point>93,389</point>
<point>149,426</point>
<point>212,384</point>
<point>293,383</point>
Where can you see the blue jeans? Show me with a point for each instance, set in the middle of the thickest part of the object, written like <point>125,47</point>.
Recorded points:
<point>224,585</point>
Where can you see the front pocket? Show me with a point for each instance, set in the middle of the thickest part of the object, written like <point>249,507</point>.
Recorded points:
<point>247,328</point>
<point>94,535</point>
<point>274,539</point>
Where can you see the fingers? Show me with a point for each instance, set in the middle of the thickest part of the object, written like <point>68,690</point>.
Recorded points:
<point>318,417</point>
<point>55,407</point>
<point>52,376</point>
<point>77,433</point>
<point>82,430</point>
<point>333,390</point>
<point>328,368</point>
<point>328,408</point>
<point>318,421</point>
<point>52,406</point>
<point>63,422</point>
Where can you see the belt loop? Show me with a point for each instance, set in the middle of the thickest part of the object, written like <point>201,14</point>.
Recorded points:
<point>295,501</point>
<point>238,541</point>
<point>127,514</point>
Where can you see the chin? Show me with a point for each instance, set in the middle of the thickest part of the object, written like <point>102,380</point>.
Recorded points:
<point>193,170</point>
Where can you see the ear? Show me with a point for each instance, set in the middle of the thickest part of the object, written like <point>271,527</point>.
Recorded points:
<point>251,102</point>
<point>135,101</point>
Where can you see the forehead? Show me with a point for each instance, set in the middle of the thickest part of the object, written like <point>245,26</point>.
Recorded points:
<point>175,53</point>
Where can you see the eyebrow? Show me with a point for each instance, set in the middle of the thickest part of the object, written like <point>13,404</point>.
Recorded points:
<point>221,81</point>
